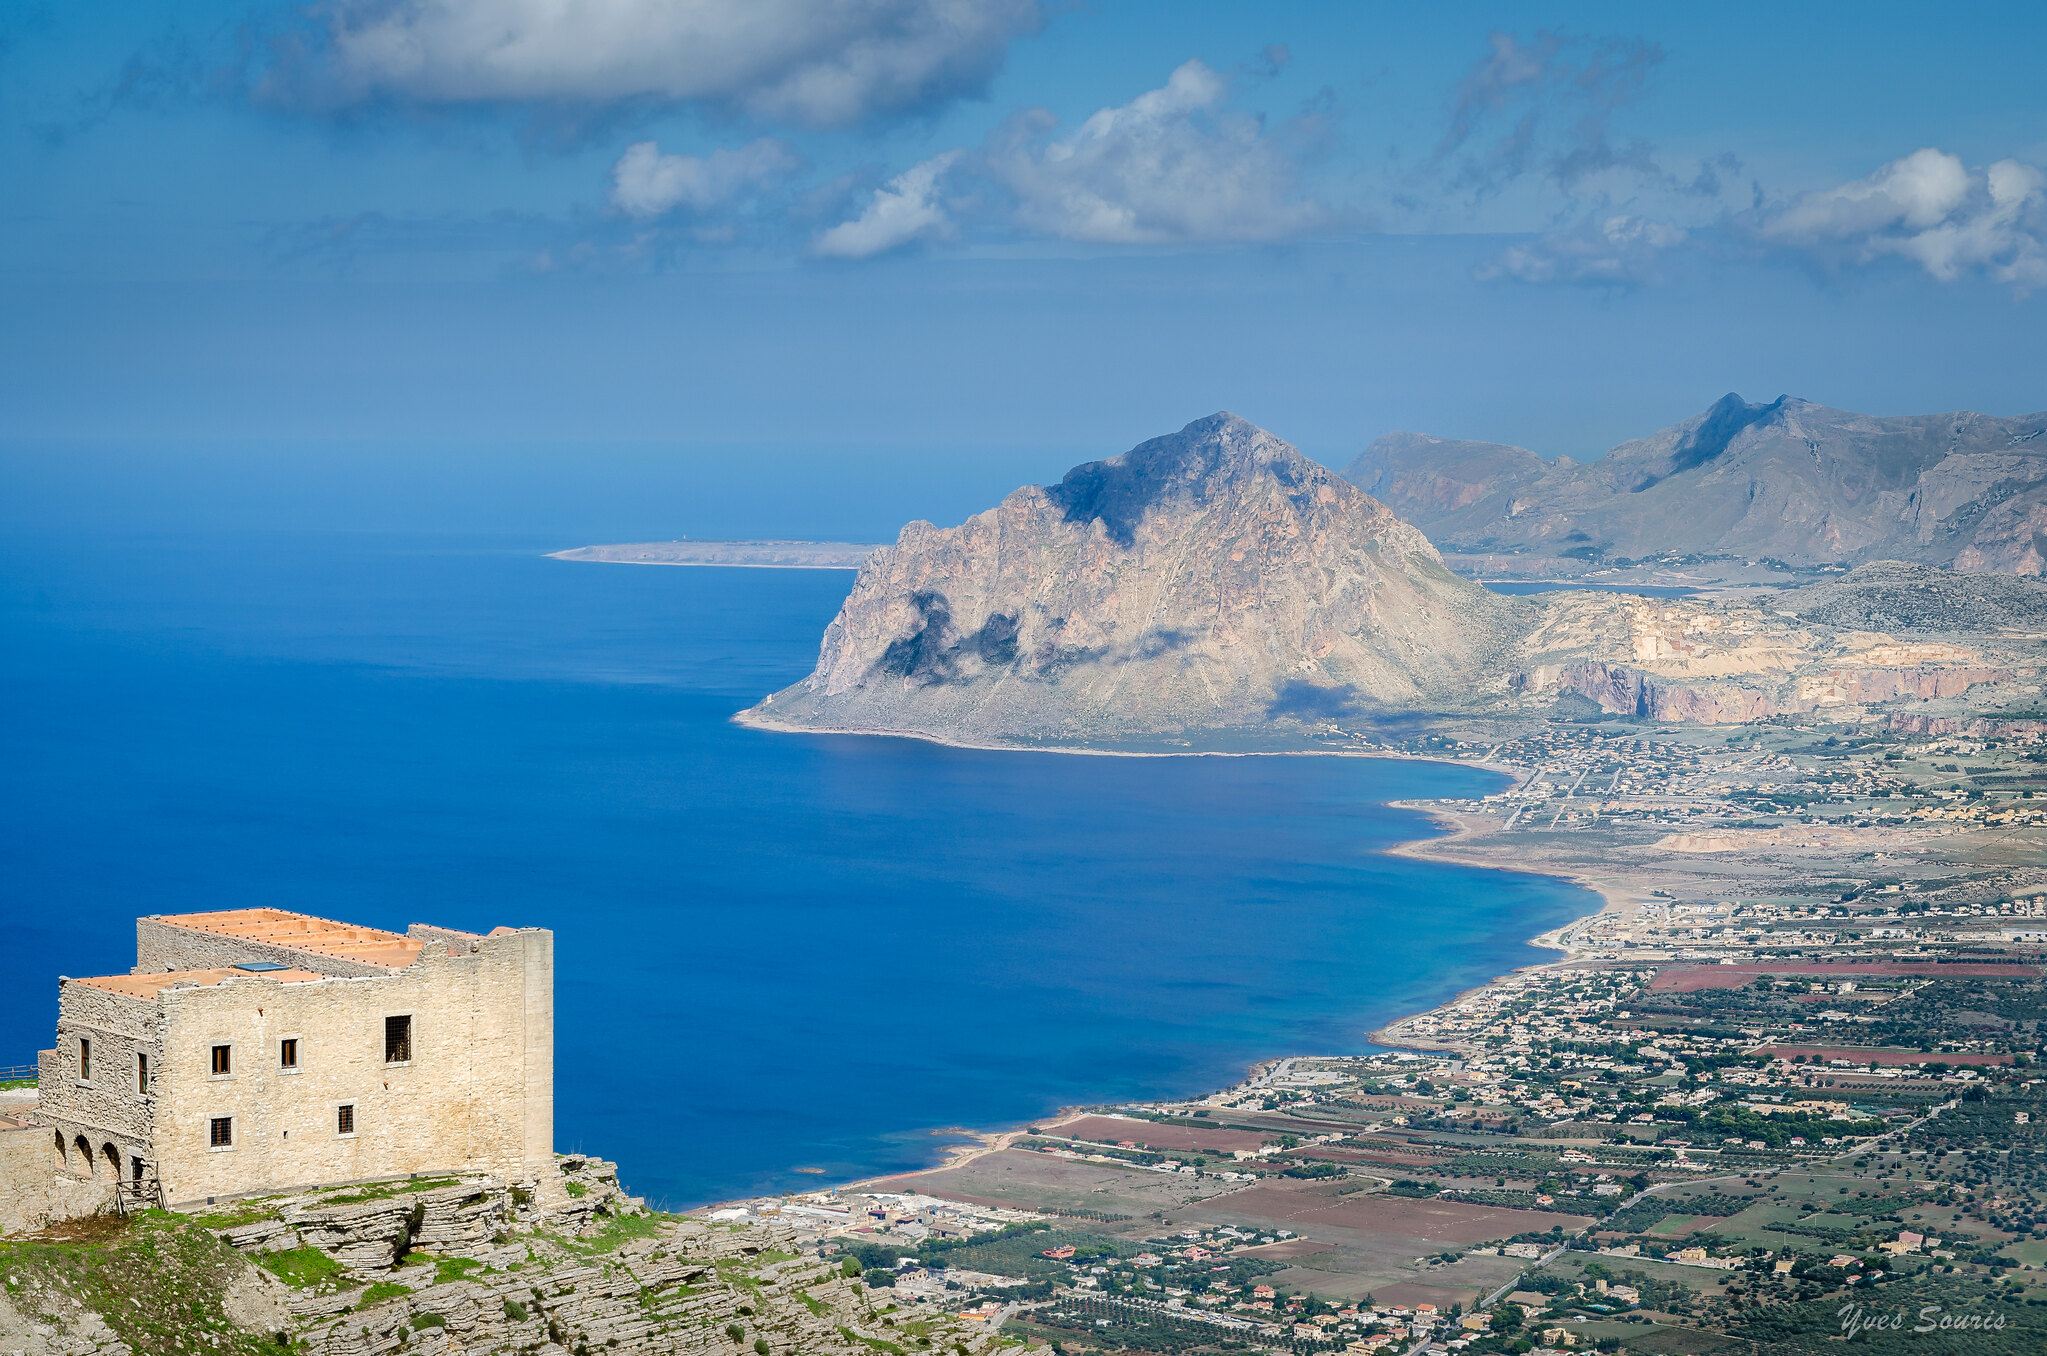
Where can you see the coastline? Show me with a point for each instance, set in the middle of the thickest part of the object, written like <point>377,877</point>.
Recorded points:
<point>700,564</point>
<point>979,1144</point>
<point>752,720</point>
<point>1615,898</point>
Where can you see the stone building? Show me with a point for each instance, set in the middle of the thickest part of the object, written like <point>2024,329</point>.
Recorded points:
<point>258,1049</point>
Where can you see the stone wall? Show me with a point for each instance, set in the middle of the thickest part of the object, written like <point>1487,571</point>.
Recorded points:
<point>161,946</point>
<point>109,1111</point>
<point>34,1192</point>
<point>476,1095</point>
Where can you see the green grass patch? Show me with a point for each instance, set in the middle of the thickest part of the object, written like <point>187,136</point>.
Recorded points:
<point>301,1268</point>
<point>618,1230</point>
<point>9,1084</point>
<point>874,1342</point>
<point>157,1279</point>
<point>816,1306</point>
<point>379,1292</point>
<point>454,1268</point>
<point>576,1189</point>
<point>384,1191</point>
<point>2033,1252</point>
<point>238,1213</point>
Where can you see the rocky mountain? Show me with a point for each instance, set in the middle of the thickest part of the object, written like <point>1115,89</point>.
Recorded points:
<point>1217,579</point>
<point>1213,578</point>
<point>1789,480</point>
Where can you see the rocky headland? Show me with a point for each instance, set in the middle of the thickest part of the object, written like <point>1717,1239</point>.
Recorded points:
<point>777,555</point>
<point>1214,578</point>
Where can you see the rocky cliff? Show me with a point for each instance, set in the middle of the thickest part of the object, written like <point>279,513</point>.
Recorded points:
<point>1789,480</point>
<point>1209,579</point>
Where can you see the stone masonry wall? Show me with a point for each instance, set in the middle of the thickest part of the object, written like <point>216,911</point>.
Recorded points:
<point>161,946</point>
<point>471,1098</point>
<point>34,1192</point>
<point>109,1109</point>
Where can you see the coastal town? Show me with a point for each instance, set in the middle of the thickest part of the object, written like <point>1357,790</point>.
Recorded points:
<point>1784,1080</point>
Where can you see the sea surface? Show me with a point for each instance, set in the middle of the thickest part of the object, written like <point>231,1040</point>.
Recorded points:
<point>774,951</point>
<point>1523,587</point>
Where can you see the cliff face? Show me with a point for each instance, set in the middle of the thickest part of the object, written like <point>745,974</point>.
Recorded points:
<point>1212,578</point>
<point>1886,632</point>
<point>1789,480</point>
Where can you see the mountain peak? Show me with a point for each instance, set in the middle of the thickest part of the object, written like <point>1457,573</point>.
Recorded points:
<point>1713,432</point>
<point>1188,466</point>
<point>1213,577</point>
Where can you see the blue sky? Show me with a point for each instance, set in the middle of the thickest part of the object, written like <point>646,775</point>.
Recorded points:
<point>993,235</point>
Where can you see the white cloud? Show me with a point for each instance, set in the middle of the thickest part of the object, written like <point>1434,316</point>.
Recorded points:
<point>1618,251</point>
<point>1932,209</point>
<point>818,62</point>
<point>1168,166</point>
<point>904,210</point>
<point>646,183</point>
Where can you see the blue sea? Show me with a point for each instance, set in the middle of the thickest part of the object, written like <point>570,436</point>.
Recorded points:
<point>775,952</point>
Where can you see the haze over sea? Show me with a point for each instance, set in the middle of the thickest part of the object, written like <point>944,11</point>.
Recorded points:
<point>774,951</point>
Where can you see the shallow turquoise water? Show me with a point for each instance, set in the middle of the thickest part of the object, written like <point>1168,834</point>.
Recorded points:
<point>774,951</point>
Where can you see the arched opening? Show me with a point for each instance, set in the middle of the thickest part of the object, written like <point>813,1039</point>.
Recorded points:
<point>113,1157</point>
<point>63,1165</point>
<point>84,1167</point>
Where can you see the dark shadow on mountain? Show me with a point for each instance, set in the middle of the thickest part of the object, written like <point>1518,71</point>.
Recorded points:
<point>1298,699</point>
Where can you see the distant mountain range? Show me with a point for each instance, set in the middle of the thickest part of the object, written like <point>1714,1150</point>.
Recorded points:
<point>1217,579</point>
<point>1789,481</point>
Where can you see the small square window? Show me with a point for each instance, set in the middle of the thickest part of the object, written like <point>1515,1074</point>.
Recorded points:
<point>84,1059</point>
<point>344,1120</point>
<point>397,1040</point>
<point>223,1060</point>
<point>221,1134</point>
<point>288,1053</point>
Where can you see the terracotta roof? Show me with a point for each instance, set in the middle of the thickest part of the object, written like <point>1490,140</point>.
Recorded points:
<point>303,932</point>
<point>149,986</point>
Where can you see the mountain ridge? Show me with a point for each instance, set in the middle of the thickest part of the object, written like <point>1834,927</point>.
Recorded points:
<point>1217,579</point>
<point>1787,480</point>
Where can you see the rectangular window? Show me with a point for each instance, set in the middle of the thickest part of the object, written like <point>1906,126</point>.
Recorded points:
<point>344,1120</point>
<point>288,1054</point>
<point>223,1062</point>
<point>222,1133</point>
<point>84,1059</point>
<point>397,1040</point>
<point>141,1072</point>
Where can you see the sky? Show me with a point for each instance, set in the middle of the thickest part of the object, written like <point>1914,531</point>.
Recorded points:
<point>927,249</point>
